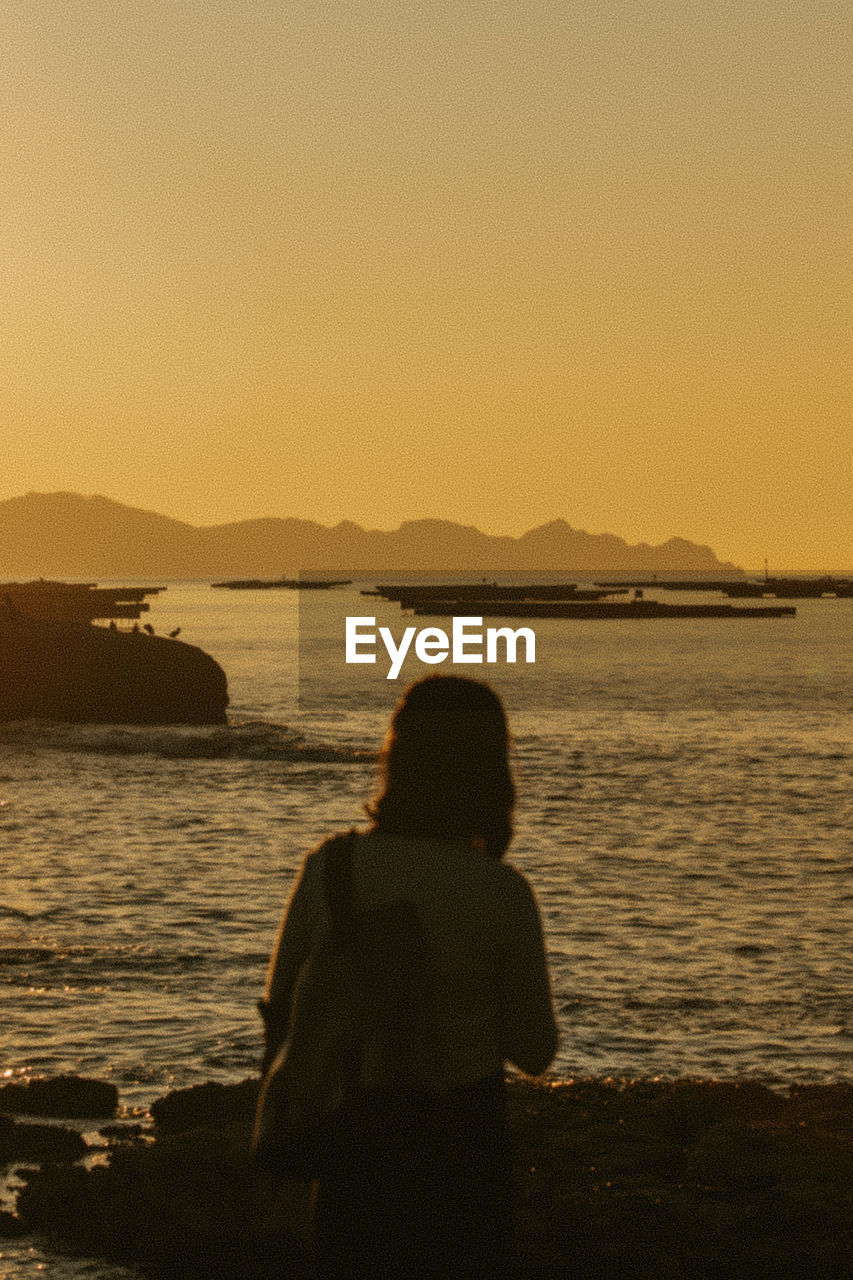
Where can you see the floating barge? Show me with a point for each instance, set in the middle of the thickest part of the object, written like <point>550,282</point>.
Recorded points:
<point>611,609</point>
<point>75,601</point>
<point>794,588</point>
<point>677,584</point>
<point>560,600</point>
<point>282,584</point>
<point>408,595</point>
<point>752,589</point>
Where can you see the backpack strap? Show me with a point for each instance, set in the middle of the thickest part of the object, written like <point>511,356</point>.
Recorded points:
<point>337,887</point>
<point>337,883</point>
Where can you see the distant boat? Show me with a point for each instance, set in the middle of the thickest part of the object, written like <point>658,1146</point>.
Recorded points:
<point>676,584</point>
<point>794,588</point>
<point>55,665</point>
<point>587,609</point>
<point>75,601</point>
<point>408,593</point>
<point>556,600</point>
<point>286,584</point>
<point>753,589</point>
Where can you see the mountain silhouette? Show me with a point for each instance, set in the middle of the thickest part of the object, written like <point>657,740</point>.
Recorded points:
<point>70,535</point>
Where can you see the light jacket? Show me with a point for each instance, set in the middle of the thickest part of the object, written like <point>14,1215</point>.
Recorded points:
<point>492,1000</point>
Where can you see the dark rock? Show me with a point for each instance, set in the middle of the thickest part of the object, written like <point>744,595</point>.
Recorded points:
<point>828,1107</point>
<point>653,1181</point>
<point>188,1206</point>
<point>56,1201</point>
<point>11,1225</point>
<point>7,1128</point>
<point>128,1132</point>
<point>93,675</point>
<point>639,1159</point>
<point>41,1142</point>
<point>211,1104</point>
<point>734,1153</point>
<point>63,1097</point>
<point>682,1109</point>
<point>594,1138</point>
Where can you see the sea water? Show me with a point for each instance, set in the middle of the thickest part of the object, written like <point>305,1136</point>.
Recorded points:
<point>684,816</point>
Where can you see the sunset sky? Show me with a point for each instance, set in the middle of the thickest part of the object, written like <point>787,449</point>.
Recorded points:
<point>497,263</point>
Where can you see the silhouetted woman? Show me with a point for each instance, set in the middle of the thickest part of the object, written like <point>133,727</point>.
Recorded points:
<point>422,1190</point>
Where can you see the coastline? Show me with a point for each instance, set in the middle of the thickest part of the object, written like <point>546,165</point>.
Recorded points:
<point>630,1180</point>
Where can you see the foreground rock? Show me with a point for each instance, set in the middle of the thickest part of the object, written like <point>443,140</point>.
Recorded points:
<point>64,1097</point>
<point>210,1105</point>
<point>650,1181</point>
<point>57,670</point>
<point>38,1142</point>
<point>710,1181</point>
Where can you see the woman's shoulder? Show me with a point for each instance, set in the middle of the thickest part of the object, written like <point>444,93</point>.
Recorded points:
<point>455,863</point>
<point>330,844</point>
<point>312,872</point>
<point>514,883</point>
<point>452,864</point>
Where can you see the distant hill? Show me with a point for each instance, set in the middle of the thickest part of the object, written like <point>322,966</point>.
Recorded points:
<point>69,535</point>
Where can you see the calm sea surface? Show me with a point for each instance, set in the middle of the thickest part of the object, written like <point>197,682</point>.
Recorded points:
<point>685,818</point>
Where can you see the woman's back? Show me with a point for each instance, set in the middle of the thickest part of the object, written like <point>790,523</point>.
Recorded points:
<point>490,992</point>
<point>424,1189</point>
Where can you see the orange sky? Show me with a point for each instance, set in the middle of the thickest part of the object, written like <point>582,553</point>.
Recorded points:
<point>491,262</point>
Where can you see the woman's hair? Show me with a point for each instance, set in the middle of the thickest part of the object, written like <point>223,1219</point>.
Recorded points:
<point>445,765</point>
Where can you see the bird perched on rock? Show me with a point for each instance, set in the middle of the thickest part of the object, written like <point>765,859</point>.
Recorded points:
<point>174,633</point>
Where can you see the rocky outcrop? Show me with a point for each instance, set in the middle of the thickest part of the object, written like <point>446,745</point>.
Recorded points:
<point>96,675</point>
<point>652,1179</point>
